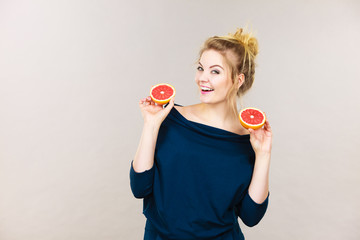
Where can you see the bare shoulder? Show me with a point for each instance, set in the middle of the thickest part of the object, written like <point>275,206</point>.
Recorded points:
<point>189,112</point>
<point>239,129</point>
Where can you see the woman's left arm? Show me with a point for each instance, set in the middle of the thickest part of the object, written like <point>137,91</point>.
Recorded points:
<point>261,141</point>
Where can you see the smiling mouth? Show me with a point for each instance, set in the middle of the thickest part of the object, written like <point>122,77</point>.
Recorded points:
<point>206,89</point>
<point>203,92</point>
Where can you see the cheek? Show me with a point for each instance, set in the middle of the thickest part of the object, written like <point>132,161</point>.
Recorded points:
<point>223,84</point>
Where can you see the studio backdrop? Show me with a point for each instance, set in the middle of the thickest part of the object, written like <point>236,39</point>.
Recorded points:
<point>72,74</point>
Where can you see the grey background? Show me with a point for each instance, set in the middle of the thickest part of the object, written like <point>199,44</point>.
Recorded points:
<point>72,73</point>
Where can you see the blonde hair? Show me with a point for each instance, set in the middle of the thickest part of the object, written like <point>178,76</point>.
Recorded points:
<point>239,51</point>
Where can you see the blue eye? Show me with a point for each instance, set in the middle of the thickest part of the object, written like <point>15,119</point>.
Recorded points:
<point>200,68</point>
<point>215,71</point>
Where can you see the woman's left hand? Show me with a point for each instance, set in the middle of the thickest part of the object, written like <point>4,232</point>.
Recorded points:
<point>261,139</point>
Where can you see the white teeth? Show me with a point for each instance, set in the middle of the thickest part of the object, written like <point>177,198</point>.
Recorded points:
<point>206,88</point>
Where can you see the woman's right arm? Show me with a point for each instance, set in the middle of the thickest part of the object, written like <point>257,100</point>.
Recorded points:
<point>144,157</point>
<point>142,171</point>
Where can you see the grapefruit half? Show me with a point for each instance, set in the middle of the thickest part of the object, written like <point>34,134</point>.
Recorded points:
<point>252,118</point>
<point>162,93</point>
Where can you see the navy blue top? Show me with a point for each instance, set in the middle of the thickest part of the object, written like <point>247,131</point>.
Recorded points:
<point>198,185</point>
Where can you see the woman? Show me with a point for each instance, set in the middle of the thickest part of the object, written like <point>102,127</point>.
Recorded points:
<point>196,168</point>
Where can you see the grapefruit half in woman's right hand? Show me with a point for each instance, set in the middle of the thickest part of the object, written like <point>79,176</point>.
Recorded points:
<point>162,93</point>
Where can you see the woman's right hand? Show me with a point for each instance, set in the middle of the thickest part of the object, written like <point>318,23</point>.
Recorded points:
<point>152,113</point>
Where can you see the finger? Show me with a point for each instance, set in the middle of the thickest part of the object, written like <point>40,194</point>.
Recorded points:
<point>171,101</point>
<point>145,99</point>
<point>267,125</point>
<point>252,132</point>
<point>170,105</point>
<point>141,101</point>
<point>148,99</point>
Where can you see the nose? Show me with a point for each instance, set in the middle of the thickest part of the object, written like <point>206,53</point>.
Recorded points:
<point>203,77</point>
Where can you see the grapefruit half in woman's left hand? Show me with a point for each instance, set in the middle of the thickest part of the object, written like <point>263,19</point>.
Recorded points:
<point>252,118</point>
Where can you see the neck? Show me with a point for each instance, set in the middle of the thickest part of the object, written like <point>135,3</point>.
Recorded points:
<point>219,113</point>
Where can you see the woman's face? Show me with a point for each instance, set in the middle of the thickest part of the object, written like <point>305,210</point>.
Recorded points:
<point>214,75</point>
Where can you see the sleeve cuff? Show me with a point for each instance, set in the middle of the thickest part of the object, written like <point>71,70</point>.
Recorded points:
<point>141,176</point>
<point>251,212</point>
<point>141,182</point>
<point>250,201</point>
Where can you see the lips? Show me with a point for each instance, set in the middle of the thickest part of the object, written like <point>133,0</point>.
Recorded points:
<point>206,89</point>
<point>206,92</point>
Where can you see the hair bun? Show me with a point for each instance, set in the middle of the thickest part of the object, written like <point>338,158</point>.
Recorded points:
<point>247,40</point>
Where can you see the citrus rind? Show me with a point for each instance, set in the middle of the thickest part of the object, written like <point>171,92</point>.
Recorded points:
<point>249,125</point>
<point>162,102</point>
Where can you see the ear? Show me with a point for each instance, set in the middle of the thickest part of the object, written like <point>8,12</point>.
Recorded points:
<point>240,79</point>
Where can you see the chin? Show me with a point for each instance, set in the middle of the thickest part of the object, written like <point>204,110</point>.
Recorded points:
<point>206,101</point>
<point>211,101</point>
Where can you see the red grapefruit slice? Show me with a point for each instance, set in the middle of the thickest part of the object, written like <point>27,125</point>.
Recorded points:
<point>162,93</point>
<point>252,118</point>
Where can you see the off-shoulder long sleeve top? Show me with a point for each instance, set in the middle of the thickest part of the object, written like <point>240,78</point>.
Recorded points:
<point>198,185</point>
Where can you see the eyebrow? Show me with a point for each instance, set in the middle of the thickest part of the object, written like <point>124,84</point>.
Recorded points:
<point>214,66</point>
